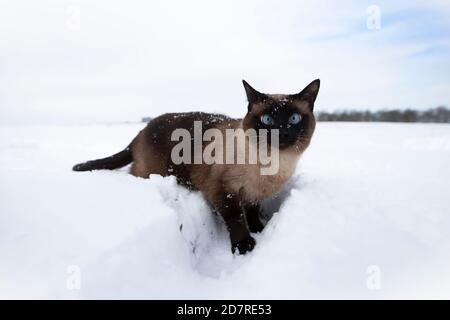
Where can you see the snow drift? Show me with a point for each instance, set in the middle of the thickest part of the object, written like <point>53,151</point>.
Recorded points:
<point>365,197</point>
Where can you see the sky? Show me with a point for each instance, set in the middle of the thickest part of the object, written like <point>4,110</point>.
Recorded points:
<point>69,62</point>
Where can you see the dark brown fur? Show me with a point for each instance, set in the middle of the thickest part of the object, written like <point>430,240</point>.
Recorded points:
<point>233,190</point>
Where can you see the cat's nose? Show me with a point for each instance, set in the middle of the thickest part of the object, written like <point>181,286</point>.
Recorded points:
<point>284,133</point>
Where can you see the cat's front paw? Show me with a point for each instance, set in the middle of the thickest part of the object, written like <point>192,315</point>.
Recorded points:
<point>255,225</point>
<point>243,246</point>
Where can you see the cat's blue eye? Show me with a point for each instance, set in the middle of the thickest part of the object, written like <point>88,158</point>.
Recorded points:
<point>294,118</point>
<point>266,119</point>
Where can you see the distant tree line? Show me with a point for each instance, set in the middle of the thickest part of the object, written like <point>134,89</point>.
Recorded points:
<point>437,115</point>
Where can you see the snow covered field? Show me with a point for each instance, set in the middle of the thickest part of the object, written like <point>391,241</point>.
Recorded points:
<point>367,216</point>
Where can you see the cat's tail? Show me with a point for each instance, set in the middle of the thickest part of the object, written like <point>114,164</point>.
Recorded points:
<point>115,161</point>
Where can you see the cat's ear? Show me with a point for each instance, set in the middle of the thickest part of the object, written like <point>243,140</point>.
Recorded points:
<point>309,93</point>
<point>253,95</point>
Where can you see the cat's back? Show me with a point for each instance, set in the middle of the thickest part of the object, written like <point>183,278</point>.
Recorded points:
<point>152,147</point>
<point>159,130</point>
<point>186,120</point>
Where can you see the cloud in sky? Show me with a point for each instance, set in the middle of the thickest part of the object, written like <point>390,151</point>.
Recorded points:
<point>137,58</point>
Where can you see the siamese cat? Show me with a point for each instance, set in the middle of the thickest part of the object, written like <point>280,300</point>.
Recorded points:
<point>234,190</point>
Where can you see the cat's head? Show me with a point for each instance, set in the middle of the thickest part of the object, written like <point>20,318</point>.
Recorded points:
<point>291,114</point>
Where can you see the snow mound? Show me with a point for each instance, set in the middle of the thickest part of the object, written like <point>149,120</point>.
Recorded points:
<point>365,197</point>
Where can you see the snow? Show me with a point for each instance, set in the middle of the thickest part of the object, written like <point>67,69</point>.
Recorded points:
<point>365,197</point>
